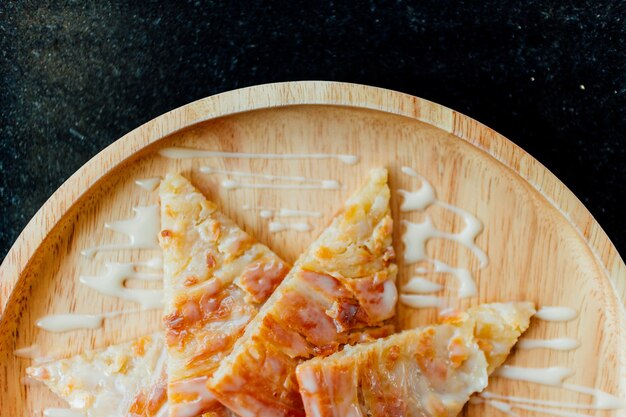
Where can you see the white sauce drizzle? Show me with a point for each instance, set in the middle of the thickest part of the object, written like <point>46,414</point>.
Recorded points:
<point>498,405</point>
<point>65,322</point>
<point>32,352</point>
<point>601,400</point>
<point>486,395</point>
<point>266,214</point>
<point>269,213</point>
<point>58,323</point>
<point>555,376</point>
<point>186,153</point>
<point>28,352</point>
<point>113,282</point>
<point>467,286</point>
<point>149,184</point>
<point>280,227</point>
<point>552,376</point>
<point>142,231</point>
<point>424,197</point>
<point>246,174</point>
<point>508,409</point>
<point>561,344</point>
<point>416,235</point>
<point>421,232</point>
<point>420,199</point>
<point>547,403</point>
<point>556,314</point>
<point>319,185</point>
<point>298,213</point>
<point>414,239</point>
<point>421,301</point>
<point>505,408</point>
<point>62,412</point>
<point>419,285</point>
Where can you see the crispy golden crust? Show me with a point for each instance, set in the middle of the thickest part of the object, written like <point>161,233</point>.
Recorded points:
<point>430,371</point>
<point>341,290</point>
<point>216,277</point>
<point>498,325</point>
<point>149,400</point>
<point>124,379</point>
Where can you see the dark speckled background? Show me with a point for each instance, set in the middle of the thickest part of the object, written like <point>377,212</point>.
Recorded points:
<point>76,75</point>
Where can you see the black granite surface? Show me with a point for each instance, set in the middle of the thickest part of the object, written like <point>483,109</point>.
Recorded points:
<point>76,75</point>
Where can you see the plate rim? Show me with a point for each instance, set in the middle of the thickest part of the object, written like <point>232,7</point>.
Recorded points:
<point>294,93</point>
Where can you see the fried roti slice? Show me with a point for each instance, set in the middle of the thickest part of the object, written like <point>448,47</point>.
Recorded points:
<point>216,277</point>
<point>430,371</point>
<point>126,379</point>
<point>340,291</point>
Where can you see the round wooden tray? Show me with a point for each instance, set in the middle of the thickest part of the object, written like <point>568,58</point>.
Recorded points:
<point>543,245</point>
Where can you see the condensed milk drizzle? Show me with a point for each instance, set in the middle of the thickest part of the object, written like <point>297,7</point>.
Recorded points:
<point>246,174</point>
<point>149,184</point>
<point>28,352</point>
<point>187,153</point>
<point>310,185</point>
<point>421,301</point>
<point>142,231</point>
<point>416,235</point>
<point>112,282</point>
<point>553,376</point>
<point>33,352</point>
<point>558,314</point>
<point>269,213</point>
<point>59,323</point>
<point>507,408</point>
<point>419,285</point>
<point>560,343</point>
<point>277,226</point>
<point>281,227</point>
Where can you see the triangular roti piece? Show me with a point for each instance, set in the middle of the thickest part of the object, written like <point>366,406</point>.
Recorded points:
<point>216,277</point>
<point>428,371</point>
<point>341,290</point>
<point>127,379</point>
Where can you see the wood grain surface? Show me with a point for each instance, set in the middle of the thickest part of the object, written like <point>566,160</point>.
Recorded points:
<point>543,245</point>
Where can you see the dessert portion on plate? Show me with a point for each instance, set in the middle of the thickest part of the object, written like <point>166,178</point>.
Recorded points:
<point>127,379</point>
<point>428,371</point>
<point>216,277</point>
<point>246,335</point>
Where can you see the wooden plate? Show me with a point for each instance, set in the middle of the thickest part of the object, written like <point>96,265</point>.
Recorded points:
<point>543,245</point>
